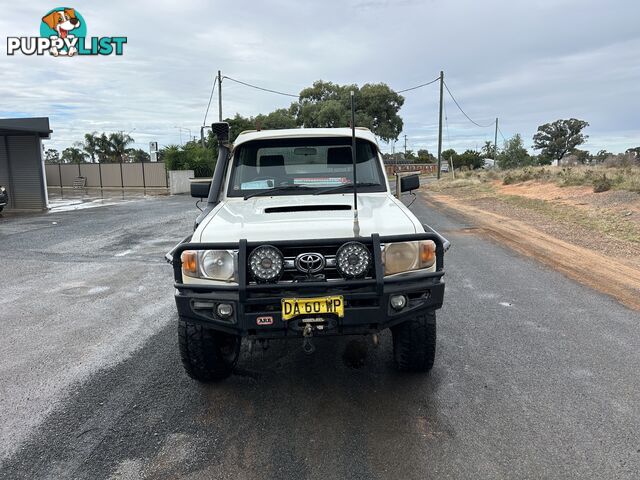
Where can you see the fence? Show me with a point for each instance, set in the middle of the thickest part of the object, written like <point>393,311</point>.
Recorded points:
<point>108,175</point>
<point>424,168</point>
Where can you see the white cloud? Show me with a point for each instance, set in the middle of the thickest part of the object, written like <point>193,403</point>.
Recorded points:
<point>526,62</point>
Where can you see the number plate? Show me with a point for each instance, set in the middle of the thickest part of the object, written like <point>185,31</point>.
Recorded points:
<point>296,307</point>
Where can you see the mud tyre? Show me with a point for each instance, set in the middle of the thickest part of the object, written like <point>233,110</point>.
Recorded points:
<point>414,343</point>
<point>207,355</point>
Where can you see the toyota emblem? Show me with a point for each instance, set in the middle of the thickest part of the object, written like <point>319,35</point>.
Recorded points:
<point>310,262</point>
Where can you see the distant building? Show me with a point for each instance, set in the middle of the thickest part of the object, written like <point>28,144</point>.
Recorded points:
<point>22,170</point>
<point>489,163</point>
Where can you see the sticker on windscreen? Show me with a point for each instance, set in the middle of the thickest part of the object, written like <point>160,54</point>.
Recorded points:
<point>257,185</point>
<point>321,181</point>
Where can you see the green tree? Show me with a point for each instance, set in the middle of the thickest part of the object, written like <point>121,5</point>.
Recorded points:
<point>137,155</point>
<point>91,145</point>
<point>191,156</point>
<point>103,148</point>
<point>489,150</point>
<point>237,124</point>
<point>449,155</point>
<point>410,157</point>
<point>556,139</point>
<point>281,118</point>
<point>514,154</point>
<point>51,155</point>
<point>73,154</point>
<point>425,157</point>
<point>118,145</point>
<point>327,104</point>
<point>601,156</point>
<point>582,156</point>
<point>470,159</point>
<point>634,151</point>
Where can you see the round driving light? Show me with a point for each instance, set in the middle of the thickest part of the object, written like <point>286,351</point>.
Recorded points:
<point>353,260</point>
<point>224,310</point>
<point>398,302</point>
<point>266,263</point>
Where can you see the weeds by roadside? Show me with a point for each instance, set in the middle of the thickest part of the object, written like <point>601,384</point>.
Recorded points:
<point>615,214</point>
<point>601,177</point>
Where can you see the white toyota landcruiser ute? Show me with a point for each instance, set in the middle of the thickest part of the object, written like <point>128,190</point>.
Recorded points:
<point>286,249</point>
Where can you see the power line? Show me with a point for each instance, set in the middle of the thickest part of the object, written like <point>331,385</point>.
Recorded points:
<point>297,96</point>
<point>463,112</point>
<point>500,131</point>
<point>418,86</point>
<point>261,88</point>
<point>446,123</point>
<point>213,87</point>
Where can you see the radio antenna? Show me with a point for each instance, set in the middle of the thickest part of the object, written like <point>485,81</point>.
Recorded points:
<point>356,223</point>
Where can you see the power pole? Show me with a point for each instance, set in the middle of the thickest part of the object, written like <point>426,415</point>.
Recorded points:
<point>440,122</point>
<point>495,144</point>
<point>219,96</point>
<point>405,148</point>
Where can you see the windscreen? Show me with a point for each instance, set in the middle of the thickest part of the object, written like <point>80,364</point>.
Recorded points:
<point>314,163</point>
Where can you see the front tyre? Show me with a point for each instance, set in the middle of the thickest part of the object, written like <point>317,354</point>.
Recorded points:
<point>207,355</point>
<point>414,343</point>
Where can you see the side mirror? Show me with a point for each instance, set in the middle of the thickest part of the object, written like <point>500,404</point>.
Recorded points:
<point>410,182</point>
<point>200,190</point>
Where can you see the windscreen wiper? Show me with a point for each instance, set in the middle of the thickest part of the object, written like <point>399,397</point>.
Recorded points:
<point>282,188</point>
<point>345,186</point>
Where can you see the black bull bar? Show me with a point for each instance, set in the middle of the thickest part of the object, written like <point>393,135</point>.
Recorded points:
<point>252,296</point>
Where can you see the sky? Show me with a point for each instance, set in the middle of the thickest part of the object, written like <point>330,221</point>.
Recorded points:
<point>525,62</point>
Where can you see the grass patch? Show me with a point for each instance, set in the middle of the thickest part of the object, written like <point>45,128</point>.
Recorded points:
<point>596,220</point>
<point>616,178</point>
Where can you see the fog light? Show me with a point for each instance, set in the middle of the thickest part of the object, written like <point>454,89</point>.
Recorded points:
<point>398,302</point>
<point>224,310</point>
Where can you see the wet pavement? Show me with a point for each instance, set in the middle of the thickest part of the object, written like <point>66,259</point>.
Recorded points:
<point>62,200</point>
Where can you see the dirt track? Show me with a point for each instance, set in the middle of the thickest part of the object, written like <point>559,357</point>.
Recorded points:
<point>603,273</point>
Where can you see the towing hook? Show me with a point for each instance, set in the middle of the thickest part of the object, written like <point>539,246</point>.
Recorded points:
<point>307,344</point>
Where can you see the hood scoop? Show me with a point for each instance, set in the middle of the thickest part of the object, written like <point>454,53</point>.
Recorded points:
<point>306,208</point>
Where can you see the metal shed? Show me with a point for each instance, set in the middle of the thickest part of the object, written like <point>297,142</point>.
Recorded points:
<point>22,170</point>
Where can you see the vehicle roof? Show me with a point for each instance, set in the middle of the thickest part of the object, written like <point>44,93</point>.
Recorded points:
<point>249,135</point>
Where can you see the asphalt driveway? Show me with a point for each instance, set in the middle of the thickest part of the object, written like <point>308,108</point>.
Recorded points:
<point>536,376</point>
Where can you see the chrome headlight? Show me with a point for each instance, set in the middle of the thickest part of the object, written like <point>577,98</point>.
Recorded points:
<point>353,260</point>
<point>266,263</point>
<point>407,256</point>
<point>221,265</point>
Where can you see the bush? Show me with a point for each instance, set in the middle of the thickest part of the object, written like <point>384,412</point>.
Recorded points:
<point>509,178</point>
<point>623,160</point>
<point>191,156</point>
<point>601,184</point>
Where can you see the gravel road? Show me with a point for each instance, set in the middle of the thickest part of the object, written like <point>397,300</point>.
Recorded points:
<point>536,376</point>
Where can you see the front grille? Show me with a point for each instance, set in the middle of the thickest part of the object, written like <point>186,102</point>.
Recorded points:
<point>329,273</point>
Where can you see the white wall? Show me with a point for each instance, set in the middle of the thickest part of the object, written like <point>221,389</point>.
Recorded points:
<point>179,181</point>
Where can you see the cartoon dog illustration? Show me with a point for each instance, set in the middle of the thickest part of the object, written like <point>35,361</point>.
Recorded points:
<point>62,21</point>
